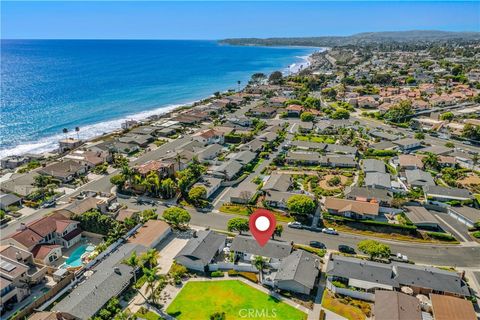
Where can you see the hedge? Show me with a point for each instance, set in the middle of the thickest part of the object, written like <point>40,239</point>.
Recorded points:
<point>247,275</point>
<point>476,234</point>
<point>441,236</point>
<point>217,274</point>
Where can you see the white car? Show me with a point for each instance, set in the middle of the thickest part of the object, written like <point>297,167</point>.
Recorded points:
<point>295,225</point>
<point>329,231</point>
<point>402,257</point>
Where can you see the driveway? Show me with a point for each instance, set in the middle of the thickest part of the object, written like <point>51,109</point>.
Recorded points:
<point>449,224</point>
<point>168,250</point>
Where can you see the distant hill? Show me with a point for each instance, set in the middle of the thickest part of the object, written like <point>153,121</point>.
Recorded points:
<point>365,38</point>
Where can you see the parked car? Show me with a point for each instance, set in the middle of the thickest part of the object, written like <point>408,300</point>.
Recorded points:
<point>295,225</point>
<point>346,249</point>
<point>329,231</point>
<point>399,257</point>
<point>318,244</point>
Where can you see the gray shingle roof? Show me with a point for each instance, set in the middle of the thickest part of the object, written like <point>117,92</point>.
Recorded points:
<point>278,182</point>
<point>419,177</point>
<point>420,215</point>
<point>308,145</point>
<point>453,193</point>
<point>369,193</point>
<point>336,148</point>
<point>373,165</point>
<point>244,157</point>
<point>300,266</point>
<point>397,274</point>
<point>273,248</point>
<point>90,296</point>
<point>377,179</point>
<point>203,247</point>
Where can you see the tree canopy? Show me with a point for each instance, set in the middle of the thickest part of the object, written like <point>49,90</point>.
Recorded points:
<point>176,216</point>
<point>238,224</point>
<point>301,204</point>
<point>374,249</point>
<point>307,116</point>
<point>340,113</point>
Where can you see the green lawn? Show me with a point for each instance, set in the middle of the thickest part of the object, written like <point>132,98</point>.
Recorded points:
<point>243,211</point>
<point>199,300</point>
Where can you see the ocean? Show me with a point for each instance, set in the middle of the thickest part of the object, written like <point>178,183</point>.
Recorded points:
<point>48,85</point>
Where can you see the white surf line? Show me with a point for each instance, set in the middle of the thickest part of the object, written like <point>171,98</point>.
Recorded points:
<point>458,233</point>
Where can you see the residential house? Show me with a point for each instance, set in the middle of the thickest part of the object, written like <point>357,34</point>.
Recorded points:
<point>90,158</point>
<point>378,180</point>
<point>12,162</point>
<point>279,199</point>
<point>243,193</point>
<point>246,248</point>
<point>21,184</point>
<point>298,272</point>
<point>421,218</point>
<point>201,250</point>
<point>419,178</point>
<point>9,199</point>
<point>373,165</point>
<point>64,171</point>
<point>211,184</point>
<point>341,149</point>
<point>256,145</point>
<point>209,153</point>
<point>392,305</point>
<point>17,271</point>
<point>278,182</point>
<point>306,158</point>
<point>382,196</point>
<point>410,162</point>
<point>109,279</point>
<point>243,157</point>
<point>68,144</point>
<point>383,135</point>
<point>465,215</point>
<point>263,112</point>
<point>306,127</point>
<point>335,161</point>
<point>438,150</point>
<point>151,233</point>
<point>48,230</point>
<point>140,140</point>
<point>367,276</point>
<point>452,308</point>
<point>209,136</point>
<point>407,144</point>
<point>307,145</point>
<point>128,124</point>
<point>123,214</point>
<point>294,110</point>
<point>161,167</point>
<point>351,208</point>
<point>227,170</point>
<point>440,193</point>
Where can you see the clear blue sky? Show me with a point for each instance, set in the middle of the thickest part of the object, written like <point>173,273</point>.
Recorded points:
<point>216,20</point>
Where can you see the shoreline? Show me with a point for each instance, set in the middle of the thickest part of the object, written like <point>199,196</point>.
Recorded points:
<point>96,131</point>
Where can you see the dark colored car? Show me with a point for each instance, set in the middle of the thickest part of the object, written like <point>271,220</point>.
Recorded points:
<point>346,249</point>
<point>318,244</point>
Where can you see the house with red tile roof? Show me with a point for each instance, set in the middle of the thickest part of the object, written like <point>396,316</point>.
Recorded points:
<point>40,236</point>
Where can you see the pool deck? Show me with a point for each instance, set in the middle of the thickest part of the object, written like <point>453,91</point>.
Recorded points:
<point>66,253</point>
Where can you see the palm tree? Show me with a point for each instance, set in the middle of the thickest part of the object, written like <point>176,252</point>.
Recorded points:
<point>134,262</point>
<point>77,130</point>
<point>259,262</point>
<point>150,257</point>
<point>178,158</point>
<point>65,131</point>
<point>128,173</point>
<point>152,277</point>
<point>475,159</point>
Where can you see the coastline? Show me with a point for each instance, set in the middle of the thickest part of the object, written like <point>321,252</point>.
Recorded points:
<point>98,130</point>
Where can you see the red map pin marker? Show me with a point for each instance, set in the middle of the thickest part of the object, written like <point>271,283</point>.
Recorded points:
<point>262,225</point>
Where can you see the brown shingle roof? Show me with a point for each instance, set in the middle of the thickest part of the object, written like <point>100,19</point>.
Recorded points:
<point>149,232</point>
<point>452,308</point>
<point>359,207</point>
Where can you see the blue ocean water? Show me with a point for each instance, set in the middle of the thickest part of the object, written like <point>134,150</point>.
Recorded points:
<point>48,85</point>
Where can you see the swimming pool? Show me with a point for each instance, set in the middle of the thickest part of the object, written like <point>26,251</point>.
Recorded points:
<point>75,259</point>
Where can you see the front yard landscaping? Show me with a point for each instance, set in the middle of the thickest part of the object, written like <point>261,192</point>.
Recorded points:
<point>201,299</point>
<point>338,306</point>
<point>244,211</point>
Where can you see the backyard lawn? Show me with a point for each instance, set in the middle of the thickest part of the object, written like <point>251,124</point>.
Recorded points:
<point>199,300</point>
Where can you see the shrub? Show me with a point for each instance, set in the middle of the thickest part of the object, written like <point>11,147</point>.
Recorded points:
<point>216,274</point>
<point>339,284</point>
<point>247,275</point>
<point>318,252</point>
<point>441,236</point>
<point>476,234</point>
